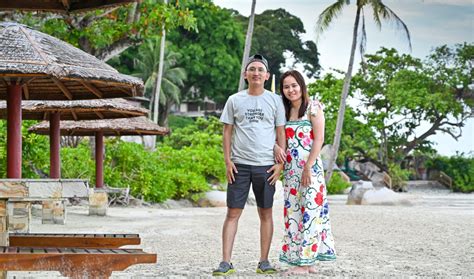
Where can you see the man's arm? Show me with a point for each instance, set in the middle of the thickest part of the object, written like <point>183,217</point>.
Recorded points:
<point>226,141</point>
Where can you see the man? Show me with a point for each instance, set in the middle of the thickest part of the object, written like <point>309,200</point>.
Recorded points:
<point>253,119</point>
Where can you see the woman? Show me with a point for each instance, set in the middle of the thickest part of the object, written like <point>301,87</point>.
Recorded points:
<point>308,237</point>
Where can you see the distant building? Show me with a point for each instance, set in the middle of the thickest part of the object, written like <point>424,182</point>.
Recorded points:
<point>197,108</point>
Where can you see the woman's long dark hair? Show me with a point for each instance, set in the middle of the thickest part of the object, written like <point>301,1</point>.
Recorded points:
<point>304,93</point>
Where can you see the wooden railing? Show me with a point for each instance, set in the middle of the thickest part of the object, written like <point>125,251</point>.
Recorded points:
<point>444,179</point>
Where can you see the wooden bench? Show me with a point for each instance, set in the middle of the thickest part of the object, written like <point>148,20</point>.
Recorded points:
<point>72,262</point>
<point>109,241</point>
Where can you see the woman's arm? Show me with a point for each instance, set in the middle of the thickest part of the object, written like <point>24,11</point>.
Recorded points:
<point>318,125</point>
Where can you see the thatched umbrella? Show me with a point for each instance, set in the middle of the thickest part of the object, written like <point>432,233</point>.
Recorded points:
<point>42,67</point>
<point>99,129</point>
<point>61,5</point>
<point>72,110</point>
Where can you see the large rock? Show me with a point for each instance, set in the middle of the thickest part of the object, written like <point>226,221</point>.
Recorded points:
<point>358,190</point>
<point>213,199</point>
<point>383,196</point>
<point>372,171</point>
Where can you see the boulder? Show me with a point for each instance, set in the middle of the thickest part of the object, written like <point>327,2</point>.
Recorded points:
<point>213,199</point>
<point>357,191</point>
<point>383,196</point>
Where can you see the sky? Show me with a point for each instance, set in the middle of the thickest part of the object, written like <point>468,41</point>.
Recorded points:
<point>431,23</point>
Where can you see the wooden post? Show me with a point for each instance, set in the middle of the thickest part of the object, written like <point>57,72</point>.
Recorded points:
<point>54,145</point>
<point>99,159</point>
<point>3,229</point>
<point>14,131</point>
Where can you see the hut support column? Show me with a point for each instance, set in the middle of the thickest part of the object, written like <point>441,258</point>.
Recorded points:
<point>54,145</point>
<point>14,131</point>
<point>98,200</point>
<point>99,159</point>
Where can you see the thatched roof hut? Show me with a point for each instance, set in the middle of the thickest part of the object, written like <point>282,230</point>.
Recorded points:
<point>60,5</point>
<point>51,69</point>
<point>113,127</point>
<point>77,110</point>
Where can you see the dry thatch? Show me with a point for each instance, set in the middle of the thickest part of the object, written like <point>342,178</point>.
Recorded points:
<point>50,69</point>
<point>113,127</point>
<point>77,110</point>
<point>60,5</point>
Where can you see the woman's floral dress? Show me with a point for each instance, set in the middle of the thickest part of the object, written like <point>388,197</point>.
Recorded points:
<point>308,237</point>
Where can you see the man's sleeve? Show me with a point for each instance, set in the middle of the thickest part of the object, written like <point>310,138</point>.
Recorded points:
<point>280,119</point>
<point>227,115</point>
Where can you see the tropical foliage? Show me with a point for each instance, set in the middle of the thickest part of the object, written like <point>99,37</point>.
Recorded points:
<point>107,33</point>
<point>380,12</point>
<point>277,35</point>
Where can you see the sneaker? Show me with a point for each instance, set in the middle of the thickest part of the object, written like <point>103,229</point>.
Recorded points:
<point>264,267</point>
<point>224,269</point>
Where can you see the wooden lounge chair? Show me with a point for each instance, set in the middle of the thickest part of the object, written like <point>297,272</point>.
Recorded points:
<point>109,241</point>
<point>72,262</point>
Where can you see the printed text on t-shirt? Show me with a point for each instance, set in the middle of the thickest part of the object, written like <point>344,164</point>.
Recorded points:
<point>254,115</point>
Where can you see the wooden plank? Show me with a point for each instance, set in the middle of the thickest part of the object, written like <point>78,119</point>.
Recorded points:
<point>69,240</point>
<point>92,89</point>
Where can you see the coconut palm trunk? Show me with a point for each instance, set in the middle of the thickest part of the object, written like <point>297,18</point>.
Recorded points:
<point>160,74</point>
<point>248,44</point>
<point>342,105</point>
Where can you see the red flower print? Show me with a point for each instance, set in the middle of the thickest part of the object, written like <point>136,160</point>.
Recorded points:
<point>300,135</point>
<point>319,199</point>
<point>321,188</point>
<point>284,248</point>
<point>311,134</point>
<point>288,158</point>
<point>293,191</point>
<point>302,209</point>
<point>285,211</point>
<point>314,248</point>
<point>290,133</point>
<point>287,225</point>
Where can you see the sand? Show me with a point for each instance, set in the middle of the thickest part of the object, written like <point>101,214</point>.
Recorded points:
<point>432,238</point>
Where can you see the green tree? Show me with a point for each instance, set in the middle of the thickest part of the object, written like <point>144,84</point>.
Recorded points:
<point>358,138</point>
<point>400,93</point>
<point>380,12</point>
<point>211,52</point>
<point>107,33</point>
<point>172,80</point>
<point>277,33</point>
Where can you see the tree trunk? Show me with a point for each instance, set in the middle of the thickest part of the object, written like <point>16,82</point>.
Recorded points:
<point>160,74</point>
<point>342,106</point>
<point>248,44</point>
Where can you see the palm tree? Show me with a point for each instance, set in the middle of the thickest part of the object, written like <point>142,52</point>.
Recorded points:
<point>248,44</point>
<point>380,12</point>
<point>172,79</point>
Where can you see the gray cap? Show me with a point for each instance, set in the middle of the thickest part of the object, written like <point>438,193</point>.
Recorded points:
<point>257,58</point>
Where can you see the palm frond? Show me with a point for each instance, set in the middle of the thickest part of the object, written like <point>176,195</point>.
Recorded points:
<point>329,14</point>
<point>380,10</point>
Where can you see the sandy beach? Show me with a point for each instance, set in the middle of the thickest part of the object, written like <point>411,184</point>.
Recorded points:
<point>432,238</point>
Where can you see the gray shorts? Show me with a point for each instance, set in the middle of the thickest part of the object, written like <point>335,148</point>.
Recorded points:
<point>238,192</point>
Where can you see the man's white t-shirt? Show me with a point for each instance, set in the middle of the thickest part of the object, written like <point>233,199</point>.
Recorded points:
<point>255,119</point>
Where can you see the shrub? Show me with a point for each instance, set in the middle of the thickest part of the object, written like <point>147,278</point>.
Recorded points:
<point>399,177</point>
<point>337,184</point>
<point>459,167</point>
<point>78,163</point>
